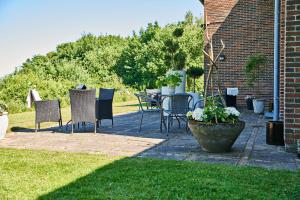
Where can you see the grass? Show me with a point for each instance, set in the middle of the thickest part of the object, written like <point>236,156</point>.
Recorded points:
<point>26,119</point>
<point>27,174</point>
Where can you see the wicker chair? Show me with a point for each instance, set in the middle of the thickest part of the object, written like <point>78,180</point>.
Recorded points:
<point>83,107</point>
<point>144,99</point>
<point>104,108</point>
<point>47,111</point>
<point>178,108</point>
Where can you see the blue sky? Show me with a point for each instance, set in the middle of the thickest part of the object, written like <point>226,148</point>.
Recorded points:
<point>30,27</point>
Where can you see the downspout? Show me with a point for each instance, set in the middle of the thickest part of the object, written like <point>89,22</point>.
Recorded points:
<point>275,131</point>
<point>276,59</point>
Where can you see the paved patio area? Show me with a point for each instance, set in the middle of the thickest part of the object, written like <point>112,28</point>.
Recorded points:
<point>123,139</point>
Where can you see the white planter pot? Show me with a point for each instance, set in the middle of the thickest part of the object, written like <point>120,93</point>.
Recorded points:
<point>3,125</point>
<point>167,91</point>
<point>181,87</point>
<point>258,106</point>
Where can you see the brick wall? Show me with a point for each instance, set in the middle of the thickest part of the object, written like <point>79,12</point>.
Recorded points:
<point>292,74</point>
<point>246,27</point>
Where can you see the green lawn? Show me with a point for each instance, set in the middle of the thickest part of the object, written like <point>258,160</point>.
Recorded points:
<point>26,119</point>
<point>27,174</point>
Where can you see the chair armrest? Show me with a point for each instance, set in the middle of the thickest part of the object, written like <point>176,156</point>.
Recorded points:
<point>198,102</point>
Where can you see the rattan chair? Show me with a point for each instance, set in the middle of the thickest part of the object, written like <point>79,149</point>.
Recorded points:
<point>178,108</point>
<point>83,107</point>
<point>47,111</point>
<point>104,105</point>
<point>143,100</point>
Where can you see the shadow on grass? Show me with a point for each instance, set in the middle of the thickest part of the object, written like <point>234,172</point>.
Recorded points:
<point>137,178</point>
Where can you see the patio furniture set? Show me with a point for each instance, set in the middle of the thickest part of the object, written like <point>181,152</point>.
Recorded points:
<point>85,108</point>
<point>171,107</point>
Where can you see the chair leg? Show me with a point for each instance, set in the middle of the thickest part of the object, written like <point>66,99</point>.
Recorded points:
<point>178,121</point>
<point>95,125</point>
<point>168,124</point>
<point>36,127</point>
<point>72,128</point>
<point>160,126</point>
<point>141,122</point>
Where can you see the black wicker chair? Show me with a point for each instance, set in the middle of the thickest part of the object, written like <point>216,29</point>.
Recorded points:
<point>104,107</point>
<point>47,111</point>
<point>83,107</point>
<point>178,108</point>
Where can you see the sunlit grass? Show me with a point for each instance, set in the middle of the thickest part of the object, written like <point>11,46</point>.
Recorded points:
<point>28,174</point>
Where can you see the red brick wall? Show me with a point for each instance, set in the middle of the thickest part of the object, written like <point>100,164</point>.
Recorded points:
<point>292,75</point>
<point>246,27</point>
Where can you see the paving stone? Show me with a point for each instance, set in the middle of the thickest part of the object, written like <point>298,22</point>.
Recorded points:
<point>273,165</point>
<point>124,139</point>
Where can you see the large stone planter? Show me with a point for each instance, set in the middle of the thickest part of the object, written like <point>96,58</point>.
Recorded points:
<point>216,138</point>
<point>3,125</point>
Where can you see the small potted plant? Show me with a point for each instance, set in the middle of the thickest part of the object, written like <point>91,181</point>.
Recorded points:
<point>195,72</point>
<point>168,83</point>
<point>255,66</point>
<point>3,120</point>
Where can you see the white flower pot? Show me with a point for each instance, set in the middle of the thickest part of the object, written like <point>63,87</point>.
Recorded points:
<point>3,125</point>
<point>259,106</point>
<point>166,91</point>
<point>181,87</point>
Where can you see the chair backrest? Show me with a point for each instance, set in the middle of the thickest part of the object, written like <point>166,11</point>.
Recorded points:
<point>179,103</point>
<point>106,94</point>
<point>83,105</point>
<point>144,100</point>
<point>47,111</point>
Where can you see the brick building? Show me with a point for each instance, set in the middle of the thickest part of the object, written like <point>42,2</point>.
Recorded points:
<point>247,28</point>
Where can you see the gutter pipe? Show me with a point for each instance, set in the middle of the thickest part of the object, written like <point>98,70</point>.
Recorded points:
<point>276,59</point>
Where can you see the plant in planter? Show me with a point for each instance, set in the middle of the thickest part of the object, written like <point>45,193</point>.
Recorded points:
<point>3,120</point>
<point>175,57</point>
<point>255,66</point>
<point>195,72</point>
<point>171,81</point>
<point>216,127</point>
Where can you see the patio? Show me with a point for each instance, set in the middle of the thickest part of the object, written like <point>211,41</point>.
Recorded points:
<point>123,139</point>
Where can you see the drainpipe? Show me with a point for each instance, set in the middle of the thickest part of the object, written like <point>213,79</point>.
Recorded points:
<point>276,59</point>
<point>274,131</point>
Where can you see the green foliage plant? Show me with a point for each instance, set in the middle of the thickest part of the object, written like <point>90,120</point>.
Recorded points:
<point>125,63</point>
<point>214,112</point>
<point>175,56</point>
<point>170,80</point>
<point>195,72</point>
<point>254,67</point>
